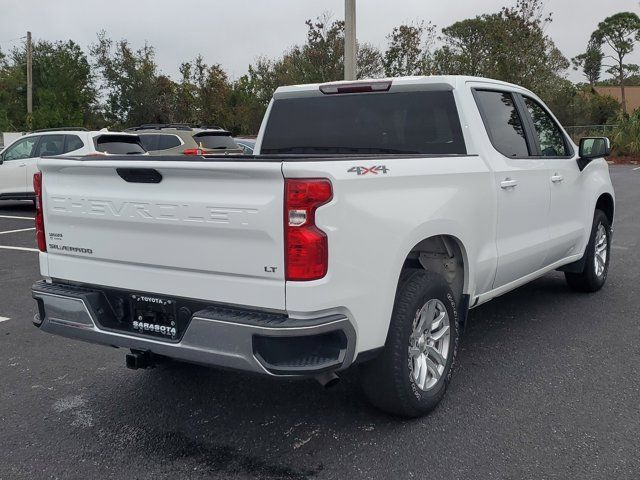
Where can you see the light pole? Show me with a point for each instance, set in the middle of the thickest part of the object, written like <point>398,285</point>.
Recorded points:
<point>349,39</point>
<point>29,80</point>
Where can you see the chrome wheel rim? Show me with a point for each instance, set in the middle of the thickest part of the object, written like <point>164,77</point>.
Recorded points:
<point>429,344</point>
<point>601,244</point>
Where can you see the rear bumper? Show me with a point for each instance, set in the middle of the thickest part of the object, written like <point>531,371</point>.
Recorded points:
<point>260,342</point>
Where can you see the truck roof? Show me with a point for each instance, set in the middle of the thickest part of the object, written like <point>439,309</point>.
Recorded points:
<point>448,82</point>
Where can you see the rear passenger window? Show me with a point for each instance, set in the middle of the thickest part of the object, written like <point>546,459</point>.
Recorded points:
<point>72,143</point>
<point>50,145</point>
<point>119,144</point>
<point>168,141</point>
<point>503,123</point>
<point>153,142</point>
<point>149,142</point>
<point>551,138</point>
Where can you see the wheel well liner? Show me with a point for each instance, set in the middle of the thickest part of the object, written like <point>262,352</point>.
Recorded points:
<point>445,255</point>
<point>605,203</point>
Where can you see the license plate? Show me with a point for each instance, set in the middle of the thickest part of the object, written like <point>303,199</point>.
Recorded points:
<point>154,316</point>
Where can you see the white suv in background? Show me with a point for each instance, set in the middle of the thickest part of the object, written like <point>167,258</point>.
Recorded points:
<point>18,162</point>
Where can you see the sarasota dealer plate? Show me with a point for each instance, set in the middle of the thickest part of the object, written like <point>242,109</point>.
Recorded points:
<point>154,316</point>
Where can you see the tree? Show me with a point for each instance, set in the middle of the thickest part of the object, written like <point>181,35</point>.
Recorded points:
<point>13,102</point>
<point>214,91</point>
<point>408,50</point>
<point>619,32</point>
<point>247,109</point>
<point>510,45</point>
<point>467,49</point>
<point>590,62</point>
<point>319,59</point>
<point>632,80</point>
<point>64,91</point>
<point>202,96</point>
<point>135,89</point>
<point>185,101</point>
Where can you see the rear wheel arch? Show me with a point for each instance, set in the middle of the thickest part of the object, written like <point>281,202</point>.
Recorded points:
<point>445,255</point>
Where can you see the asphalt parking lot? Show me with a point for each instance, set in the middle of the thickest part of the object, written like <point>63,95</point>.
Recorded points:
<point>547,386</point>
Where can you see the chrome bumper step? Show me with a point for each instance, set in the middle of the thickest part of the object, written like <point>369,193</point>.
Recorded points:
<point>262,342</point>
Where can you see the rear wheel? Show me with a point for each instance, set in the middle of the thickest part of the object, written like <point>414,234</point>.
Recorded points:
<point>411,375</point>
<point>596,260</point>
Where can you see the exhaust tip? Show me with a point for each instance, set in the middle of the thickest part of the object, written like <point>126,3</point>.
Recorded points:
<point>327,379</point>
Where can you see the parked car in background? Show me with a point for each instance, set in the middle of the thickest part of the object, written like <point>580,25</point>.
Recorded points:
<point>247,144</point>
<point>18,161</point>
<point>184,139</point>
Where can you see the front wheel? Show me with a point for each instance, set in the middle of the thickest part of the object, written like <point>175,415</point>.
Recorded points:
<point>596,260</point>
<point>410,376</point>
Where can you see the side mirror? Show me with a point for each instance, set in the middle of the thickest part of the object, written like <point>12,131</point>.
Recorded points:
<point>592,148</point>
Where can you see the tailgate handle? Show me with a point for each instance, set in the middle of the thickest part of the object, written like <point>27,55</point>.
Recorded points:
<point>139,175</point>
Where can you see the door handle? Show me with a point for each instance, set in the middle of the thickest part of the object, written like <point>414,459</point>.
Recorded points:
<point>508,183</point>
<point>23,165</point>
<point>557,178</point>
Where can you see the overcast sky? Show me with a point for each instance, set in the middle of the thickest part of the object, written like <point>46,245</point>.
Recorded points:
<point>235,32</point>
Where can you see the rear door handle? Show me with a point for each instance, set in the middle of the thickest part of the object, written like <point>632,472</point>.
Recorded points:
<point>508,183</point>
<point>557,178</point>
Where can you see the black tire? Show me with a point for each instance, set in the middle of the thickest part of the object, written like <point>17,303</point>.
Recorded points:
<point>588,280</point>
<point>387,381</point>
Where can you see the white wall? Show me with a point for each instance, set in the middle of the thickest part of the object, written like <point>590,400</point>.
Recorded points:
<point>9,137</point>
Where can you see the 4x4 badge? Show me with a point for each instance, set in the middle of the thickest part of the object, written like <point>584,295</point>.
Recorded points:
<point>364,170</point>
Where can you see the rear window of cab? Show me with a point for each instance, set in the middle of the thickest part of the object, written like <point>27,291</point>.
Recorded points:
<point>422,122</point>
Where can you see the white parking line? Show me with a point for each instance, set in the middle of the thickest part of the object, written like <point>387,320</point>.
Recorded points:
<point>19,230</point>
<point>25,249</point>
<point>637,168</point>
<point>4,319</point>
<point>17,218</point>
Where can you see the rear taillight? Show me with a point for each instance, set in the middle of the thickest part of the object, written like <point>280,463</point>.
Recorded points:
<point>37,188</point>
<point>306,248</point>
<point>193,151</point>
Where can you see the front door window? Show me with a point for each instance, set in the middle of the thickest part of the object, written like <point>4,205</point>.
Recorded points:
<point>21,149</point>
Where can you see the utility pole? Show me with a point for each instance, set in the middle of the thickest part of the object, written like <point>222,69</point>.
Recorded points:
<point>349,39</point>
<point>29,80</point>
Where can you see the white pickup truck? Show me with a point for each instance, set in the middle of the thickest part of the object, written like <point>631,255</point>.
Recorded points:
<point>372,217</point>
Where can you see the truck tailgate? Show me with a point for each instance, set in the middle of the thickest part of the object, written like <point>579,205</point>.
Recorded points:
<point>206,230</point>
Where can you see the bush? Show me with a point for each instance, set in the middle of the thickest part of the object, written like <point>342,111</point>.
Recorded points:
<point>580,105</point>
<point>626,136</point>
<point>602,109</point>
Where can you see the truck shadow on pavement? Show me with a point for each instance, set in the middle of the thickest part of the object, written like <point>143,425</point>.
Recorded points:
<point>231,423</point>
